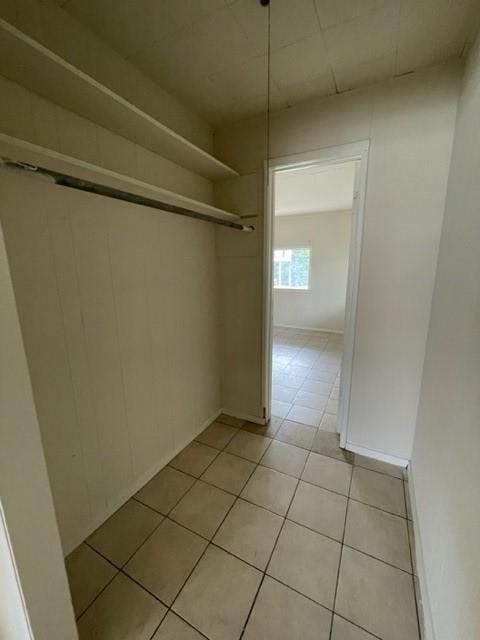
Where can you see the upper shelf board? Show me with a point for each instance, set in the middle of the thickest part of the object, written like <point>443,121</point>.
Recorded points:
<point>29,63</point>
<point>22,151</point>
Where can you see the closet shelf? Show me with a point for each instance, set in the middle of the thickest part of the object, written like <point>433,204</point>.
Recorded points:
<point>31,64</point>
<point>27,152</point>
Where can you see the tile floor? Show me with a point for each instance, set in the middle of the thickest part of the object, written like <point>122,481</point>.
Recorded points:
<point>306,377</point>
<point>259,532</point>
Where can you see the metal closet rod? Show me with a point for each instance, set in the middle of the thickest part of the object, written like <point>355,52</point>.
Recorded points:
<point>71,182</point>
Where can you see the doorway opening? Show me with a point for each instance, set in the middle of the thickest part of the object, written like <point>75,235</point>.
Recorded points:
<point>312,246</point>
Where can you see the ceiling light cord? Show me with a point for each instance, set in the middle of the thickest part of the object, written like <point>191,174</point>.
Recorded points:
<point>266,3</point>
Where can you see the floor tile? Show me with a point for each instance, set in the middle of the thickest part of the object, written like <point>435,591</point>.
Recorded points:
<point>281,360</point>
<point>164,561</point>
<point>328,444</point>
<point>328,423</point>
<point>379,534</point>
<point>124,532</point>
<point>250,533</point>
<point>174,628</point>
<point>311,400</point>
<point>307,562</point>
<point>268,430</point>
<point>379,466</point>
<point>296,370</point>
<point>203,508</point>
<point>284,394</point>
<point>270,489</point>
<point>280,409</point>
<point>319,509</point>
<point>300,435</point>
<point>320,388</point>
<point>229,472</point>
<point>285,458</point>
<point>232,421</point>
<point>376,596</point>
<point>408,501</point>
<point>331,359</point>
<point>218,595</point>
<point>305,415</point>
<point>324,364</point>
<point>322,375</point>
<point>344,630</point>
<point>282,614</point>
<point>217,435</point>
<point>248,445</point>
<point>288,380</point>
<point>411,535</point>
<point>165,489</point>
<point>331,406</point>
<point>328,473</point>
<point>124,611</point>
<point>194,459</point>
<point>378,490</point>
<point>88,573</point>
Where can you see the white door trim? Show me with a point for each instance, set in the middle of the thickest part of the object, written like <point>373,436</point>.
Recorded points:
<point>357,151</point>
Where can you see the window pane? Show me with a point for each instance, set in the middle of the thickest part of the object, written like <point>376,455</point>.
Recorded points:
<point>291,268</point>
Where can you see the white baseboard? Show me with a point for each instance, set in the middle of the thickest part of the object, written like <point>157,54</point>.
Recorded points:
<point>377,455</point>
<point>114,505</point>
<point>292,326</point>
<point>425,610</point>
<point>243,416</point>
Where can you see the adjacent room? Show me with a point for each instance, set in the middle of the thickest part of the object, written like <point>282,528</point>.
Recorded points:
<point>239,319</point>
<point>313,208</point>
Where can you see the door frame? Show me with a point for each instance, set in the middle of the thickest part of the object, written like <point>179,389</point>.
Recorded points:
<point>353,152</point>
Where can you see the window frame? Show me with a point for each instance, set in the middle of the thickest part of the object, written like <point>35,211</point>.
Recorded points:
<point>292,247</point>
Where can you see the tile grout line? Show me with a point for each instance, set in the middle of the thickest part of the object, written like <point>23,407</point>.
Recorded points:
<point>230,553</point>
<point>357,626</point>
<point>138,548</point>
<point>237,497</point>
<point>321,350</point>
<point>264,573</point>
<point>209,542</point>
<point>341,555</point>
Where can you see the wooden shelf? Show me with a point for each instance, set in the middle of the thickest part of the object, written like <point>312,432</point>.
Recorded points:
<point>29,63</point>
<point>23,151</point>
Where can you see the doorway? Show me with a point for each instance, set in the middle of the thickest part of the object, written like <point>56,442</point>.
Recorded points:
<point>313,233</point>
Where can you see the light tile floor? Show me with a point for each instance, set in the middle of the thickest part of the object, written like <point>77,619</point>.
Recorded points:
<point>306,376</point>
<point>259,533</point>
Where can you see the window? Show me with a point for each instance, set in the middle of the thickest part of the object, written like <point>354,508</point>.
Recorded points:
<point>291,268</point>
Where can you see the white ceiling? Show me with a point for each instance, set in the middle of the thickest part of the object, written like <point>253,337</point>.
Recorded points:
<point>212,54</point>
<point>314,189</point>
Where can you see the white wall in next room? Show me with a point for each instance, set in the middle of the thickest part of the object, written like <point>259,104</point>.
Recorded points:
<point>328,236</point>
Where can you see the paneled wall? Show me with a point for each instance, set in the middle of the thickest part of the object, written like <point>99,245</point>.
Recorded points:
<point>35,601</point>
<point>119,315</point>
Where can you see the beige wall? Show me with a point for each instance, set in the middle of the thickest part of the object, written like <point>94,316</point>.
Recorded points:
<point>33,584</point>
<point>445,472</point>
<point>409,122</point>
<point>323,305</point>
